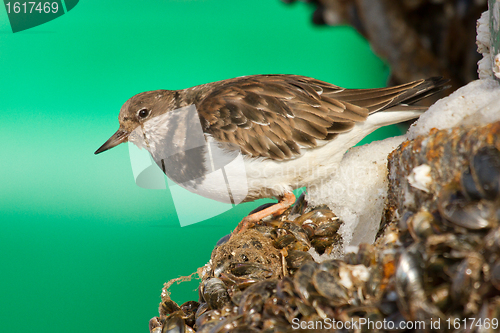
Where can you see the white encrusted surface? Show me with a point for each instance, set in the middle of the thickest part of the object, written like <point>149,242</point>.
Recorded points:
<point>460,108</point>
<point>483,46</point>
<point>357,191</point>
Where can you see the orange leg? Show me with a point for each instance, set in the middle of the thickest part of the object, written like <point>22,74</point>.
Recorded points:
<point>283,204</point>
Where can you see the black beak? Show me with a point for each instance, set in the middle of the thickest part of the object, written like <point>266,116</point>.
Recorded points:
<point>119,137</point>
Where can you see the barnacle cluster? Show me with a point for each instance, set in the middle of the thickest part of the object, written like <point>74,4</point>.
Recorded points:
<point>435,264</point>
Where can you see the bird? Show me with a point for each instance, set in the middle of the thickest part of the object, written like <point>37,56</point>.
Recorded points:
<point>267,134</point>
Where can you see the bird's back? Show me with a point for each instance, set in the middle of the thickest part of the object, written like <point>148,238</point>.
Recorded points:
<point>275,116</point>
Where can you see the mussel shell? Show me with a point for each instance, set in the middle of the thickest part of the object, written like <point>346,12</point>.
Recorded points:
<point>253,303</point>
<point>299,233</point>
<point>284,240</point>
<point>466,279</point>
<point>328,286</point>
<point>272,323</point>
<point>285,288</point>
<point>168,306</point>
<point>495,275</point>
<point>229,310</point>
<point>254,297</point>
<point>492,242</point>
<point>244,328</point>
<point>295,258</point>
<point>490,312</point>
<point>468,185</point>
<point>486,171</point>
<point>227,324</point>
<point>154,323</point>
<point>306,310</point>
<point>215,293</point>
<point>409,275</point>
<point>412,299</point>
<point>321,243</point>
<point>202,308</point>
<point>316,216</point>
<point>327,229</point>
<point>302,280</point>
<point>421,225</point>
<point>374,283</point>
<point>274,310</point>
<point>206,317</point>
<point>268,231</point>
<point>309,229</point>
<point>207,326</point>
<point>474,215</point>
<point>223,240</point>
<point>237,282</point>
<point>174,324</point>
<point>189,308</point>
<point>331,266</point>
<point>236,294</point>
<point>300,205</point>
<point>265,288</point>
<point>250,269</point>
<point>221,267</point>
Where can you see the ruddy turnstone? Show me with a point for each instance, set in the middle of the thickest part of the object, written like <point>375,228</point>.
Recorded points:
<point>269,134</point>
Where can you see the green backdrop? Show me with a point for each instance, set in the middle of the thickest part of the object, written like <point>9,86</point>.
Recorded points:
<point>83,249</point>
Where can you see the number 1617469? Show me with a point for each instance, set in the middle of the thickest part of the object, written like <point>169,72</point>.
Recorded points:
<point>32,7</point>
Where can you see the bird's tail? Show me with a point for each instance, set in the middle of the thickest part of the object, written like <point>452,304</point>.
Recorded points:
<point>400,109</point>
<point>380,99</point>
<point>421,90</point>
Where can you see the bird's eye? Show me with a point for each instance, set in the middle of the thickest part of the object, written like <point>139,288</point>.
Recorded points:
<point>143,113</point>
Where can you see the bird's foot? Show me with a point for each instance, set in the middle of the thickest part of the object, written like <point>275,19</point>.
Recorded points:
<point>283,204</point>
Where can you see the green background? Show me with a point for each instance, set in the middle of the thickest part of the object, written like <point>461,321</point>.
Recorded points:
<point>82,247</point>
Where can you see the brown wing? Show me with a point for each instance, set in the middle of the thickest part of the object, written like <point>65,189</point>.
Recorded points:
<point>274,115</point>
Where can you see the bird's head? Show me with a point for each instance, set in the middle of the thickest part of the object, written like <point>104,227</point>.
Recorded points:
<point>137,110</point>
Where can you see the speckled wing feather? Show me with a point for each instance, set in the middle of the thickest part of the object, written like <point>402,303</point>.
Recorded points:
<point>274,115</point>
